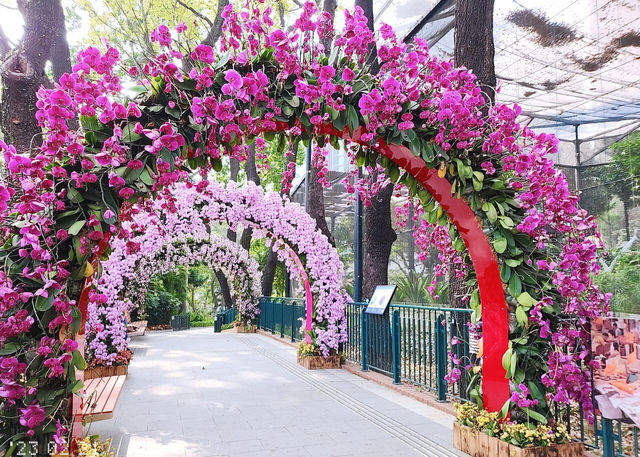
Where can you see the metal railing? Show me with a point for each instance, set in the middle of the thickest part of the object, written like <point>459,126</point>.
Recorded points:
<point>223,317</point>
<point>284,316</point>
<point>181,322</point>
<point>412,344</point>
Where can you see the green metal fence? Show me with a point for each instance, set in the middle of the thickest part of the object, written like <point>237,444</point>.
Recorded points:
<point>225,316</point>
<point>412,344</point>
<point>284,316</point>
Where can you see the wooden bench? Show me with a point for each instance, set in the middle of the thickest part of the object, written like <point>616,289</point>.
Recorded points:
<point>101,397</point>
<point>138,328</point>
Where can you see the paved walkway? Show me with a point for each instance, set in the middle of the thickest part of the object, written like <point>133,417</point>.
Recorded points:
<point>199,394</point>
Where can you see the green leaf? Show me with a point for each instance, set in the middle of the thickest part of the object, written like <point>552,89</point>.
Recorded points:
<point>223,60</point>
<point>76,386</point>
<point>504,411</point>
<point>352,118</point>
<point>76,227</point>
<point>490,211</point>
<point>458,245</point>
<point>515,285</point>
<point>294,101</point>
<point>74,195</point>
<point>500,245</point>
<point>78,361</point>
<point>513,262</point>
<point>128,135</point>
<point>76,319</point>
<point>44,303</point>
<point>536,416</point>
<point>9,348</point>
<point>521,317</point>
<point>475,299</point>
<point>506,359</point>
<point>526,300</point>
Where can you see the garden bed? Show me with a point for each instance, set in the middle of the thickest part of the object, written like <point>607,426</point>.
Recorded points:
<point>479,444</point>
<point>105,371</point>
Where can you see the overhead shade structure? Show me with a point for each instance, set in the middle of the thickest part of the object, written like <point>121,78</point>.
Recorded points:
<point>567,63</point>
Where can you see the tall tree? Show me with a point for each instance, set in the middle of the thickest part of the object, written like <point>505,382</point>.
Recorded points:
<point>473,49</point>
<point>23,69</point>
<point>379,235</point>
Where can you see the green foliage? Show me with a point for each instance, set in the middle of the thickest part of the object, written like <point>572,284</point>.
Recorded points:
<point>160,306</point>
<point>624,283</point>
<point>200,315</point>
<point>208,323</point>
<point>412,288</point>
<point>626,164</point>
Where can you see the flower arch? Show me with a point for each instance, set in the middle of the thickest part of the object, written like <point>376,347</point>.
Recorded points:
<point>128,270</point>
<point>486,178</point>
<point>183,214</point>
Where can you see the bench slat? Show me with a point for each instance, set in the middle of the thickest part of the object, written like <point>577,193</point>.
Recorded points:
<point>102,395</point>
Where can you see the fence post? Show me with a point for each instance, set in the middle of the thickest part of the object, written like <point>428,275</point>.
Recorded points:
<point>293,322</point>
<point>608,438</point>
<point>363,341</point>
<point>282,320</point>
<point>273,317</point>
<point>395,346</point>
<point>441,358</point>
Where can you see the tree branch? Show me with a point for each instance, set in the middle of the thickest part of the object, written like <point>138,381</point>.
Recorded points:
<point>195,12</point>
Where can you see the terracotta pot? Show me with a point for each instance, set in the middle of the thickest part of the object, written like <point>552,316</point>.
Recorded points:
<point>317,362</point>
<point>103,372</point>
<point>478,444</point>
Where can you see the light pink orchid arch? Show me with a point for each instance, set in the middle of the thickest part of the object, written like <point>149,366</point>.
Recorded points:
<point>128,271</point>
<point>187,213</point>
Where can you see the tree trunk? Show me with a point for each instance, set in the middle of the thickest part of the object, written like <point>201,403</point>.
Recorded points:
<point>316,204</point>
<point>269,271</point>
<point>252,175</point>
<point>474,47</point>
<point>378,239</point>
<point>474,50</point>
<point>378,231</point>
<point>227,301</point>
<point>23,71</point>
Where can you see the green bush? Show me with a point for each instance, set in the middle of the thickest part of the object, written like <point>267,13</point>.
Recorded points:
<point>160,306</point>
<point>200,315</point>
<point>624,283</point>
<point>227,326</point>
<point>208,323</point>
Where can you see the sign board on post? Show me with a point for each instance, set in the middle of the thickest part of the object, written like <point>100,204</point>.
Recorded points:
<point>380,299</point>
<point>615,343</point>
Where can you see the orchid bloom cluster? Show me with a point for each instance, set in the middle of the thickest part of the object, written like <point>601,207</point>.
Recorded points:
<point>64,200</point>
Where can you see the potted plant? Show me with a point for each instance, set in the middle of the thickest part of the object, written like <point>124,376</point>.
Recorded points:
<point>97,368</point>
<point>244,327</point>
<point>480,433</point>
<point>310,357</point>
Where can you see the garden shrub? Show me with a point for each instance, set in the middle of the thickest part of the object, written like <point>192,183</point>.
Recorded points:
<point>160,306</point>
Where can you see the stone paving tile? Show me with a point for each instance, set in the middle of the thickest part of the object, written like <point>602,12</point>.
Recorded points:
<point>199,394</point>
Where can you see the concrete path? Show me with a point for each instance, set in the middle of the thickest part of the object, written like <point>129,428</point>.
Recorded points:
<point>199,394</point>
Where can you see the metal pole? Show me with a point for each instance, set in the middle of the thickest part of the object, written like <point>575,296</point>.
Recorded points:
<point>357,267</point>
<point>578,159</point>
<point>307,176</point>
<point>363,340</point>
<point>608,438</point>
<point>395,346</point>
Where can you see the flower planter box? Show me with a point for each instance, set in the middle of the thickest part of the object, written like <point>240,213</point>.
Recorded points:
<point>478,444</point>
<point>317,362</point>
<point>244,329</point>
<point>103,372</point>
